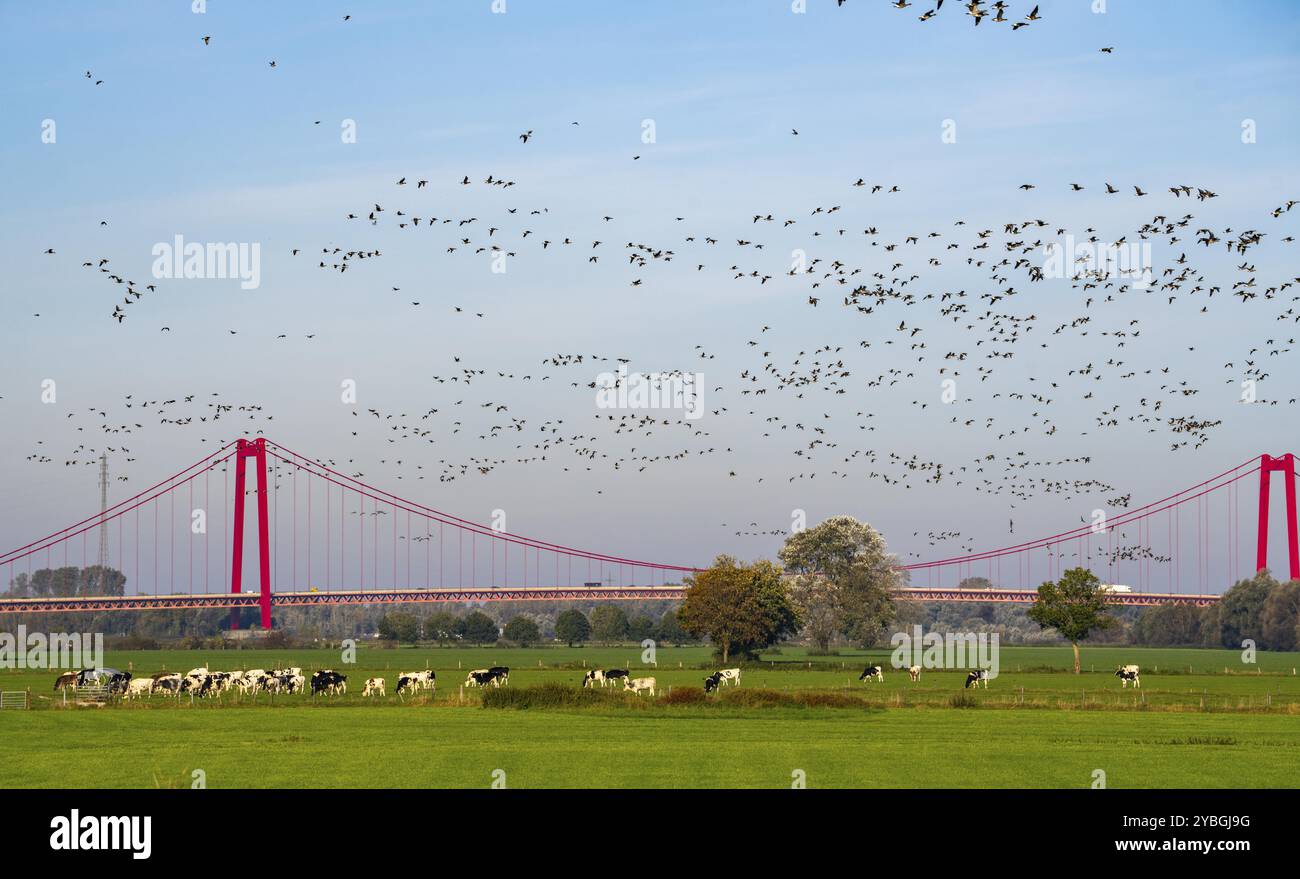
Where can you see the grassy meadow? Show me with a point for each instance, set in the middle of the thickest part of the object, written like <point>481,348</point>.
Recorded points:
<point>1201,719</point>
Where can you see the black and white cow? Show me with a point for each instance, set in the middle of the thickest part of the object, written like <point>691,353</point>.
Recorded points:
<point>973,678</point>
<point>407,683</point>
<point>593,677</point>
<point>712,682</point>
<point>329,682</point>
<point>419,680</point>
<point>167,682</point>
<point>1127,673</point>
<point>118,682</point>
<point>481,677</point>
<point>502,673</point>
<point>730,676</point>
<point>67,680</point>
<point>614,675</point>
<point>197,685</point>
<point>914,671</point>
<point>873,671</point>
<point>374,687</point>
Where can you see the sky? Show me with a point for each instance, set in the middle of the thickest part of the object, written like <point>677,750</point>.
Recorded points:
<point>171,136</point>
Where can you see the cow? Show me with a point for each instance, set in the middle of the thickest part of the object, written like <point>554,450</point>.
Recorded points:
<point>712,682</point>
<point>730,675</point>
<point>140,687</point>
<point>502,673</point>
<point>1127,673</point>
<point>593,677</point>
<point>197,686</point>
<point>67,680</point>
<point>329,682</point>
<point>481,677</point>
<point>406,683</point>
<point>613,675</point>
<point>374,687</point>
<point>873,671</point>
<point>915,672</point>
<point>168,682</point>
<point>636,685</point>
<point>419,680</point>
<point>973,678</point>
<point>118,682</point>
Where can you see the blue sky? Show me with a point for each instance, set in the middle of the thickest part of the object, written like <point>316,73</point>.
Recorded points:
<point>210,142</point>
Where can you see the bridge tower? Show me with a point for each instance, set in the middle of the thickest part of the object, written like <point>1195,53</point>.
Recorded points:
<point>255,449</point>
<point>1267,465</point>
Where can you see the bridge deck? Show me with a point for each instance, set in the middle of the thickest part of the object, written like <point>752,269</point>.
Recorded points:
<point>100,604</point>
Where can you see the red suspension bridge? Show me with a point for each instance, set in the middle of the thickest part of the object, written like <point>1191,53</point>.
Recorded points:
<point>327,538</point>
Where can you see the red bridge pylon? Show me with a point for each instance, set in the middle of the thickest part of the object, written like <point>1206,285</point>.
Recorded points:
<point>1286,464</point>
<point>255,449</point>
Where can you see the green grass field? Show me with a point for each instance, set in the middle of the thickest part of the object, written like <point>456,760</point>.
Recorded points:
<point>1191,725</point>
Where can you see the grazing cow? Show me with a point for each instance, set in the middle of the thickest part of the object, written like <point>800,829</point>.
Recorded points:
<point>374,687</point>
<point>1127,673</point>
<point>973,679</point>
<point>594,676</point>
<point>406,683</point>
<point>712,682</point>
<point>481,677</point>
<point>502,673</point>
<point>873,671</point>
<point>170,683</point>
<point>67,680</point>
<point>118,682</point>
<point>730,676</point>
<point>613,675</point>
<point>140,687</point>
<point>197,686</point>
<point>915,672</point>
<point>419,680</point>
<point>329,682</point>
<point>636,685</point>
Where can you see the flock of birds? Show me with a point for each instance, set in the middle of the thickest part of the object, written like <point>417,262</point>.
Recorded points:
<point>807,410</point>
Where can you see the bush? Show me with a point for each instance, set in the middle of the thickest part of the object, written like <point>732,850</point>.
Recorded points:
<point>552,695</point>
<point>683,696</point>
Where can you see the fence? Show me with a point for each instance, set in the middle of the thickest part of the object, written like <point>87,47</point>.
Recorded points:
<point>15,699</point>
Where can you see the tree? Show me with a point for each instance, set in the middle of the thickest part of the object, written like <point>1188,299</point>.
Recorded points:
<point>478,628</point>
<point>640,627</point>
<point>669,630</point>
<point>572,627</point>
<point>1075,607</point>
<point>1238,613</point>
<point>68,581</point>
<point>399,627</point>
<point>819,609</point>
<point>523,631</point>
<point>440,627</point>
<point>861,573</point>
<point>1280,617</point>
<point>608,624</point>
<point>1169,625</point>
<point>740,608</point>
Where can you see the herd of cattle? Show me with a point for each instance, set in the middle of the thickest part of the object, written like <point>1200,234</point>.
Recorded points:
<point>200,682</point>
<point>1126,673</point>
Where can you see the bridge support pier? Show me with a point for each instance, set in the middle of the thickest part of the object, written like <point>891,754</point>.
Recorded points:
<point>1267,465</point>
<point>255,449</point>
